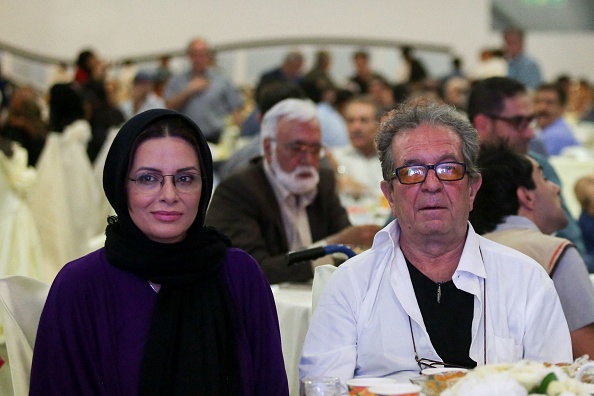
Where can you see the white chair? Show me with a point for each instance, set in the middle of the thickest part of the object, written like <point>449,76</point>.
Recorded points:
<point>20,248</point>
<point>570,170</point>
<point>21,303</point>
<point>322,274</point>
<point>66,200</point>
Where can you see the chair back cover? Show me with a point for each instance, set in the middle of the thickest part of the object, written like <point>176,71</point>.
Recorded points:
<point>322,274</point>
<point>21,302</point>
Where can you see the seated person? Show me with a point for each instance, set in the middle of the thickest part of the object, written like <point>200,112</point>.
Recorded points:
<point>584,192</point>
<point>167,306</point>
<point>430,290</point>
<point>518,207</point>
<point>549,108</point>
<point>24,123</point>
<point>357,164</point>
<point>285,201</point>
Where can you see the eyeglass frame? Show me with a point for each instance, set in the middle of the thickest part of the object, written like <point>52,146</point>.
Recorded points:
<point>199,177</point>
<point>304,148</point>
<point>395,174</point>
<point>515,121</point>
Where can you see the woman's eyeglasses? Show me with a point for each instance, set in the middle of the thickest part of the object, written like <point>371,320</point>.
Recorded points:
<point>185,182</point>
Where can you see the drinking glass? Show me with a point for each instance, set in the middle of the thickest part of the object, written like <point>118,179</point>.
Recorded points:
<point>320,386</point>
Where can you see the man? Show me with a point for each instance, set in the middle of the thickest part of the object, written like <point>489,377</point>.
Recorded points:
<point>284,201</point>
<point>549,106</point>
<point>289,71</point>
<point>358,168</point>
<point>359,82</point>
<point>202,94</point>
<point>430,290</point>
<point>412,70</point>
<point>142,95</point>
<point>382,93</point>
<point>517,207</point>
<point>500,108</point>
<point>520,66</point>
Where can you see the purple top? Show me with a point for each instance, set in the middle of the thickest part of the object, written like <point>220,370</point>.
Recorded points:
<point>95,323</point>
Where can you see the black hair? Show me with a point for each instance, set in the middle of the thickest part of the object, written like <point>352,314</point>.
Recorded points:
<point>487,96</point>
<point>557,88</point>
<point>503,171</point>
<point>272,93</point>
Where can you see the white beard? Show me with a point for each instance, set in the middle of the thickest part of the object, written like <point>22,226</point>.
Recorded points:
<point>291,181</point>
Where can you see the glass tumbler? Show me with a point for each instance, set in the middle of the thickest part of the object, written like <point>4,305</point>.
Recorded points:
<point>320,386</point>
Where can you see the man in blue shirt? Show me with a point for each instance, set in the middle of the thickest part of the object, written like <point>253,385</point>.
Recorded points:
<point>204,95</point>
<point>521,67</point>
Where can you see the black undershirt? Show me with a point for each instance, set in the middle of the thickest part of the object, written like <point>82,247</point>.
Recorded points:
<point>449,321</point>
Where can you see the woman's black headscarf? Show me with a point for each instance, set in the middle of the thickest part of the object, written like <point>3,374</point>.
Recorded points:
<point>191,345</point>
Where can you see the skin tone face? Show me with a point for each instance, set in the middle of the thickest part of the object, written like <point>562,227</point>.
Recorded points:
<point>547,107</point>
<point>491,130</point>
<point>513,44</point>
<point>294,131</point>
<point>362,127</point>
<point>165,215</point>
<point>432,211</point>
<point>547,214</point>
<point>199,56</point>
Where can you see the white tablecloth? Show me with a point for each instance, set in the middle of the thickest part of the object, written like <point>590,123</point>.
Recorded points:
<point>293,305</point>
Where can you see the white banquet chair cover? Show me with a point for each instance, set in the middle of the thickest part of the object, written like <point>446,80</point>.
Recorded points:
<point>66,199</point>
<point>570,169</point>
<point>322,274</point>
<point>20,249</point>
<point>21,303</point>
<point>105,208</point>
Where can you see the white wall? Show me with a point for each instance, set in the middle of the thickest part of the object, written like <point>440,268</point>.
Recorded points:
<point>120,28</point>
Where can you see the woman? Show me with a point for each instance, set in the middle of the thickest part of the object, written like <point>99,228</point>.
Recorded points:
<point>166,307</point>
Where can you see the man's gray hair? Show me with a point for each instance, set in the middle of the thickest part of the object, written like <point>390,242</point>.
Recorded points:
<point>291,109</point>
<point>414,113</point>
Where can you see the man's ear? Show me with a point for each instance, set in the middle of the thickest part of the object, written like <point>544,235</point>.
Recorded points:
<point>267,144</point>
<point>525,197</point>
<point>387,191</point>
<point>483,125</point>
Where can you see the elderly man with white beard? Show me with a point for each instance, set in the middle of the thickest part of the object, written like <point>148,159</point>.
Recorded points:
<point>284,201</point>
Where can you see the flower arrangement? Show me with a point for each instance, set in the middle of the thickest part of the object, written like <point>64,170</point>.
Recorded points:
<point>518,379</point>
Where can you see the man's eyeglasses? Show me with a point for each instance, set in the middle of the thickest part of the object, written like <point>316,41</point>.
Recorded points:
<point>519,123</point>
<point>185,182</point>
<point>299,148</point>
<point>428,363</point>
<point>445,171</point>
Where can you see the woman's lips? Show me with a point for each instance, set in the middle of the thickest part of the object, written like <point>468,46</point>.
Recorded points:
<point>167,215</point>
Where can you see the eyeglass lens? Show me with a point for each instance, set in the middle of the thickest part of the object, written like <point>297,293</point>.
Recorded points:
<point>183,182</point>
<point>445,171</point>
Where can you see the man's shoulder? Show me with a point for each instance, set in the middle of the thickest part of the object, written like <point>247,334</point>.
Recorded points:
<point>504,258</point>
<point>252,172</point>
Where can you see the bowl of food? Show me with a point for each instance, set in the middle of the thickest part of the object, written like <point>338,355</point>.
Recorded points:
<point>435,380</point>
<point>360,386</point>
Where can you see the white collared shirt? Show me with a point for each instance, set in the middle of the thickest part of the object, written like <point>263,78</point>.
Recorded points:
<point>360,327</point>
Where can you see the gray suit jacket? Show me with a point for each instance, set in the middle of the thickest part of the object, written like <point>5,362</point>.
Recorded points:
<point>245,208</point>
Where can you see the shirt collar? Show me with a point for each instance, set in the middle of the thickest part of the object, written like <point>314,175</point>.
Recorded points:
<point>471,260</point>
<point>511,222</point>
